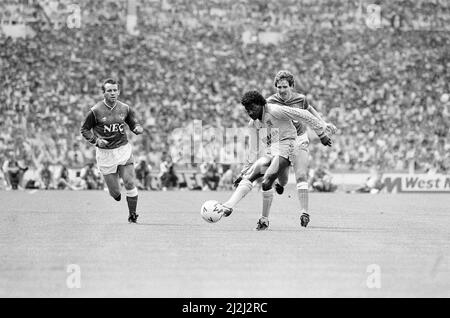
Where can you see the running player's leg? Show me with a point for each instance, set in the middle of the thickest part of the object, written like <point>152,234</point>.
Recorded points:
<point>246,185</point>
<point>277,166</point>
<point>283,176</point>
<point>300,164</point>
<point>113,184</point>
<point>129,181</point>
<point>108,168</point>
<point>287,152</point>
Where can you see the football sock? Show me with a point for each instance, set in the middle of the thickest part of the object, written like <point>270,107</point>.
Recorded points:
<point>267,202</point>
<point>244,187</point>
<point>132,199</point>
<point>302,192</point>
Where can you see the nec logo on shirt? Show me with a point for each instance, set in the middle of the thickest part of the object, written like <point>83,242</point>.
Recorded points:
<point>113,128</point>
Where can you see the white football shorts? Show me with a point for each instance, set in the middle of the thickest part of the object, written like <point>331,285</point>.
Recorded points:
<point>284,148</point>
<point>109,159</point>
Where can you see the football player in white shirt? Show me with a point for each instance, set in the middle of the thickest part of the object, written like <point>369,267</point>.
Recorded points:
<point>278,121</point>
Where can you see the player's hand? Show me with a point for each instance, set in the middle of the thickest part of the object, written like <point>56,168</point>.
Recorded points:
<point>101,142</point>
<point>138,130</point>
<point>237,181</point>
<point>325,140</point>
<point>330,129</point>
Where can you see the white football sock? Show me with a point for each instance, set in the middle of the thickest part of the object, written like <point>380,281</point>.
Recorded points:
<point>267,202</point>
<point>244,187</point>
<point>302,192</point>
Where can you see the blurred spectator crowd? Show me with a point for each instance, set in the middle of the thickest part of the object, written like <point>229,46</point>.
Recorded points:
<point>383,79</point>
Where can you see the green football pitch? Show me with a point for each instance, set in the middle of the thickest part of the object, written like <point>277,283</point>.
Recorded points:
<point>79,244</point>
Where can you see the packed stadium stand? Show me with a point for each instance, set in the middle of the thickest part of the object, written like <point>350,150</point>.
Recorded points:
<point>382,77</point>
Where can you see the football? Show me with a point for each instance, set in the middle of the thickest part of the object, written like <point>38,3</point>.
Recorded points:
<point>209,211</point>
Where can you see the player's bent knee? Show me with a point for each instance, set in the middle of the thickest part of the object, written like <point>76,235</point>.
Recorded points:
<point>129,185</point>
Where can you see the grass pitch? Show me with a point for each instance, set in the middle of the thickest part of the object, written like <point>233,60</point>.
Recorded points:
<point>356,245</point>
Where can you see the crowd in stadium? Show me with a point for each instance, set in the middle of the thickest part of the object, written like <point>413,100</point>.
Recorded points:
<point>386,89</point>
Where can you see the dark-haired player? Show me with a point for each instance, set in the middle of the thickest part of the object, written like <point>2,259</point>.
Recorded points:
<point>104,127</point>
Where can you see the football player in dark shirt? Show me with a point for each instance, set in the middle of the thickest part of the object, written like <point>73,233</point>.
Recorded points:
<point>104,127</point>
<point>286,96</point>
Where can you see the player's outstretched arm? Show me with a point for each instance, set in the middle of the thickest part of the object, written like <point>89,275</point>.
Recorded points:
<point>330,128</point>
<point>319,126</point>
<point>313,111</point>
<point>303,116</point>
